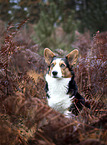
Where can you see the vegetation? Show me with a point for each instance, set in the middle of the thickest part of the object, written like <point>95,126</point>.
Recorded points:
<point>91,13</point>
<point>27,27</point>
<point>25,118</point>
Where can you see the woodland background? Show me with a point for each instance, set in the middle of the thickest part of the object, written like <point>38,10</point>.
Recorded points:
<point>26,28</point>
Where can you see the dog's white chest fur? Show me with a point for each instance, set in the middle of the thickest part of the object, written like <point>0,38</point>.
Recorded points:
<point>57,90</point>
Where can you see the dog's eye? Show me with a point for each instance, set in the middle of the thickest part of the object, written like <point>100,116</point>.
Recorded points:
<point>52,65</point>
<point>62,65</point>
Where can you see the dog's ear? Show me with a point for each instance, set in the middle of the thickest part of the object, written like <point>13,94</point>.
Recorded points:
<point>48,54</point>
<point>72,57</point>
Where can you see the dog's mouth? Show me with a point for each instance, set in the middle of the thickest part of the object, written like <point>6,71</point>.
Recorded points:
<point>57,77</point>
<point>55,74</point>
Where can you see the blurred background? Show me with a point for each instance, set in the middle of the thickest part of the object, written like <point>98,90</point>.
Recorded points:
<point>56,23</point>
<point>26,28</point>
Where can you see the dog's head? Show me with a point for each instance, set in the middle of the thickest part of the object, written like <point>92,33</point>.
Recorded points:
<point>60,67</point>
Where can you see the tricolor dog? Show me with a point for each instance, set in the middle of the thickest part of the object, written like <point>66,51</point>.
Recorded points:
<point>61,88</point>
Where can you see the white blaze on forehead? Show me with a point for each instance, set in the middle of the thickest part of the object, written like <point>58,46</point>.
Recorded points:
<point>57,68</point>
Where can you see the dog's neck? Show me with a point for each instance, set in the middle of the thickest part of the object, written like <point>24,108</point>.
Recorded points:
<point>57,91</point>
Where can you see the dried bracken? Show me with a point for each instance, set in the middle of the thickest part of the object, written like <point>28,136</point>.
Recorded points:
<point>25,117</point>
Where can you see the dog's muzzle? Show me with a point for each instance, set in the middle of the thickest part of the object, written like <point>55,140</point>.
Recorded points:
<point>54,73</point>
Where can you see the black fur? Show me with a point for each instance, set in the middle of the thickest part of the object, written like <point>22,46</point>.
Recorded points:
<point>46,90</point>
<point>79,101</point>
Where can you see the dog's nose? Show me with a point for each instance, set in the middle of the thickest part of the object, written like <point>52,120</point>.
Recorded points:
<point>54,73</point>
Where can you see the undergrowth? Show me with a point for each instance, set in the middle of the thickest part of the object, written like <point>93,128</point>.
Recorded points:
<point>25,117</point>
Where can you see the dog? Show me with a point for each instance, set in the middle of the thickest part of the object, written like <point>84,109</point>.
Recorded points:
<point>61,89</point>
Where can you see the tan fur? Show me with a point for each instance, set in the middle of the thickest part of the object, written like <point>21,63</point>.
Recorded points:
<point>48,54</point>
<point>65,71</point>
<point>54,62</point>
<point>72,57</point>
